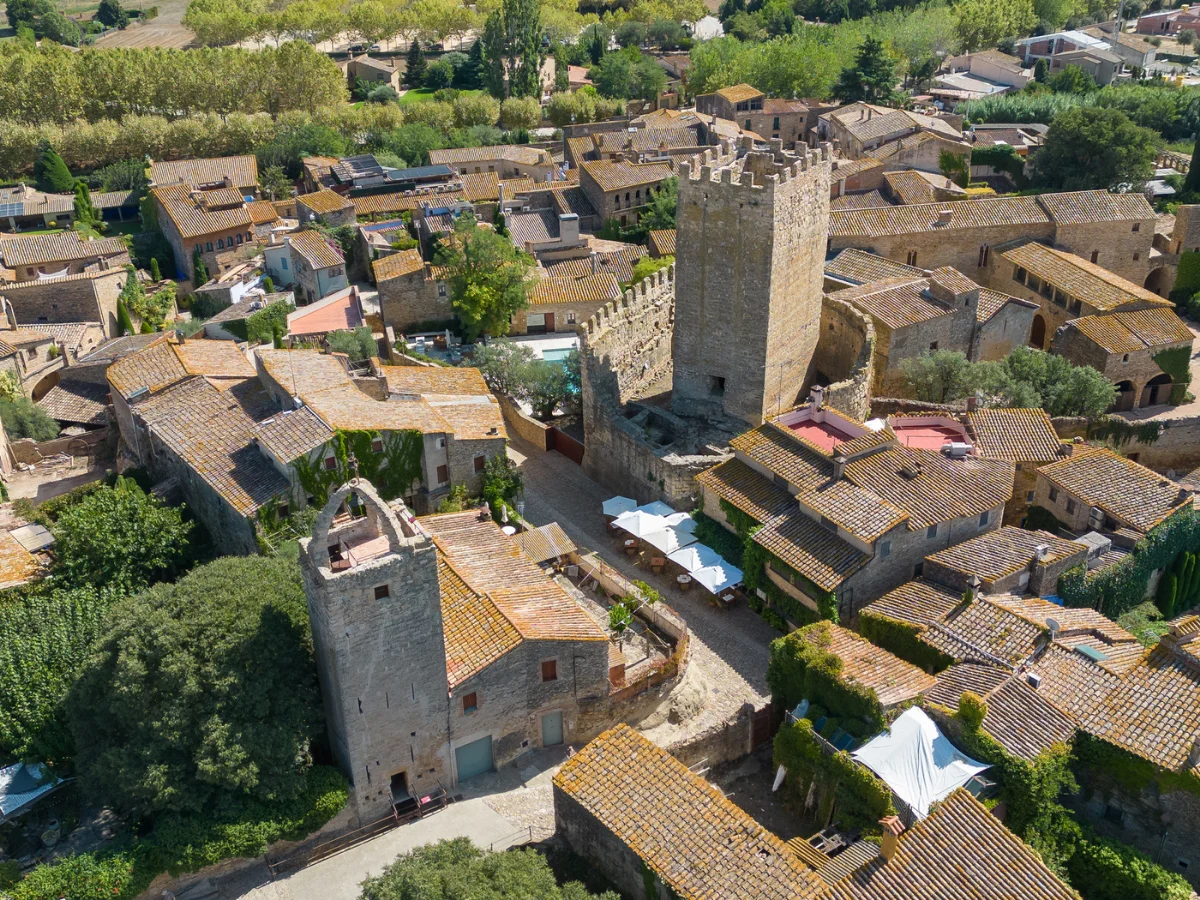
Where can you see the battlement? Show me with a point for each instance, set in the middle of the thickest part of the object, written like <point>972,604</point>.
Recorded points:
<point>756,170</point>
<point>655,287</point>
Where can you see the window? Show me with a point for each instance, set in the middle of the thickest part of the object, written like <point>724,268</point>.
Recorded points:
<point>1136,257</point>
<point>1095,256</point>
<point>239,238</point>
<point>220,243</point>
<point>885,549</point>
<point>1019,275</point>
<point>1137,226</point>
<point>1034,283</point>
<point>283,263</point>
<point>441,290</point>
<point>627,204</point>
<point>1029,497</point>
<point>1125,358</point>
<point>775,124</point>
<point>283,510</point>
<point>443,474</point>
<point>918,569</point>
<point>716,385</point>
<point>377,445</point>
<point>470,702</point>
<point>911,258</point>
<point>748,128</point>
<point>931,532</point>
<point>1071,507</point>
<point>570,318</point>
<point>1133,457</point>
<point>617,201</point>
<point>331,462</point>
<point>983,518</point>
<point>933,345</point>
<point>637,195</point>
<point>480,462</point>
<point>197,249</point>
<point>441,443</point>
<point>1053,495</point>
<point>550,670</point>
<point>382,592</point>
<point>208,246</point>
<point>985,253</point>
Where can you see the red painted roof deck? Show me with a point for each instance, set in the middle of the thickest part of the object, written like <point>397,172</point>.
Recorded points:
<point>821,434</point>
<point>927,437</point>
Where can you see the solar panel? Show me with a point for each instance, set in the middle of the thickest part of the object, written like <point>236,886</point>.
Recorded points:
<point>9,210</point>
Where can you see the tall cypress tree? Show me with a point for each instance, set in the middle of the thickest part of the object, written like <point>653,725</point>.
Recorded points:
<point>414,73</point>
<point>471,75</point>
<point>51,174</point>
<point>1191,181</point>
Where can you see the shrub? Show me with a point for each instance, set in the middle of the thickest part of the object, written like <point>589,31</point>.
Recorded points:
<point>901,639</point>
<point>358,344</point>
<point>800,666</point>
<point>23,418</point>
<point>972,710</point>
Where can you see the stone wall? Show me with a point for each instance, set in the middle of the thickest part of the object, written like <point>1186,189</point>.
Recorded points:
<point>844,356</point>
<point>1007,329</point>
<point>409,299</point>
<point>76,298</point>
<point>523,426</point>
<point>1175,453</point>
<point>592,840</point>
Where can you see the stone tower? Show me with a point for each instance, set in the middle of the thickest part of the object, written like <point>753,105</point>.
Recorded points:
<point>752,231</point>
<point>375,607</point>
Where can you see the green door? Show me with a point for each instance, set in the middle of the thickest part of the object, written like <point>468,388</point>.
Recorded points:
<point>552,729</point>
<point>474,758</point>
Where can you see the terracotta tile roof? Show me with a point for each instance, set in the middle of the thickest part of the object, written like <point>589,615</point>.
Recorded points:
<point>469,417</point>
<point>848,168</point>
<point>662,243</point>
<point>66,246</point>
<point>941,489</point>
<point>1085,207</point>
<point>153,367</point>
<point>909,186</point>
<point>492,563</point>
<point>78,402</point>
<point>120,347</point>
<point>922,217</point>
<point>814,551</point>
<point>960,850</point>
<point>699,843</point>
<point>917,602</point>
<point>620,175</point>
<point>324,201</point>
<point>313,246</point>
<point>619,263</point>
<point>866,121</point>
<point>474,630</point>
<point>399,202</point>
<point>896,302</point>
<point>518,153</point>
<point>1072,682</point>
<point>485,186</point>
<point>588,289</point>
<point>738,484</point>
<point>1130,493</point>
<point>435,380</point>
<point>1129,332</point>
<point>981,678</point>
<point>985,632</point>
<point>1003,552</point>
<point>339,311</point>
<point>1016,435</point>
<point>535,226</point>
<point>191,218</point>
<point>292,433</point>
<point>864,200</point>
<point>212,433</point>
<point>545,543</point>
<point>892,679</point>
<point>17,565</point>
<point>395,265</point>
<point>216,359</point>
<point>1093,284</point>
<point>739,92</point>
<point>70,334</point>
<point>241,170</point>
<point>1023,722</point>
<point>861,267</point>
<point>249,305</point>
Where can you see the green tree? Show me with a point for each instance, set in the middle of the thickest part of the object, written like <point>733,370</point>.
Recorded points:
<point>358,344</point>
<point>274,183</point>
<point>112,14</point>
<point>155,273</point>
<point>488,278</point>
<point>414,71</point>
<point>504,365</point>
<point>119,536</point>
<point>471,75</point>
<point>456,869</point>
<point>984,23</point>
<point>630,34</point>
<point>647,266</point>
<point>1191,181</point>
<point>87,217</point>
<point>1165,598</point>
<point>520,112</point>
<point>938,376</point>
<point>629,74</point>
<point>23,418</point>
<point>513,48</point>
<point>199,270</point>
<point>660,213</point>
<point>1041,70</point>
<point>1072,80</point>
<point>124,321</point>
<point>1095,148</point>
<point>777,17</point>
<point>872,76</point>
<point>51,174</point>
<point>547,388</point>
<point>202,693</point>
<point>492,50</point>
<point>1186,37</point>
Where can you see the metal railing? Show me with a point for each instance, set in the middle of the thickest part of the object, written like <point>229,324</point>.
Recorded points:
<point>531,834</point>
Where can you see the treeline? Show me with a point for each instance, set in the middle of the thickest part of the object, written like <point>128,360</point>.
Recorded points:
<point>54,85</point>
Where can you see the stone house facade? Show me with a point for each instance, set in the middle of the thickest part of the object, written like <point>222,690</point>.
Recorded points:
<point>506,160</point>
<point>1125,347</point>
<point>308,264</point>
<point>374,72</point>
<point>327,206</point>
<point>618,190</point>
<point>30,257</point>
<point>409,292</point>
<point>87,297</point>
<point>563,304</point>
<point>785,120</point>
<point>210,224</point>
<point>481,678</point>
<point>1116,229</point>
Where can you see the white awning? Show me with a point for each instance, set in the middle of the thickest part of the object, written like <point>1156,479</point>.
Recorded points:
<point>669,539</point>
<point>657,508</point>
<point>639,523</point>
<point>695,556</point>
<point>682,522</point>
<point>618,506</point>
<point>717,578</point>
<point>917,761</point>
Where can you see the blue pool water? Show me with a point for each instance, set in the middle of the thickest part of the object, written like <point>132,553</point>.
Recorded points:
<point>555,355</point>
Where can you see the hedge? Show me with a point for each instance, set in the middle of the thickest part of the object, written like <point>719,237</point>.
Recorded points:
<point>800,666</point>
<point>903,640</point>
<point>1187,280</point>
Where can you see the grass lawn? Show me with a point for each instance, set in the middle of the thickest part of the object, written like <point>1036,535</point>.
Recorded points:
<point>421,95</point>
<point>129,226</point>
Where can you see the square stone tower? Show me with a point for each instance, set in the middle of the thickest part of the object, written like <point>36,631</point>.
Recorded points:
<point>752,230</point>
<point>375,606</point>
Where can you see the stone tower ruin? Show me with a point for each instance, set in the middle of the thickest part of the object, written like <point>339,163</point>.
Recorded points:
<point>375,607</point>
<point>752,231</point>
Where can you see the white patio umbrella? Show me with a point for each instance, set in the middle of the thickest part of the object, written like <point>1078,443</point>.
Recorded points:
<point>657,508</point>
<point>617,506</point>
<point>695,556</point>
<point>639,523</point>
<point>682,522</point>
<point>669,539</point>
<point>716,578</point>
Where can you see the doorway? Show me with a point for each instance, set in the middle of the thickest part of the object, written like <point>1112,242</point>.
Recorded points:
<point>400,787</point>
<point>1037,334</point>
<point>552,729</point>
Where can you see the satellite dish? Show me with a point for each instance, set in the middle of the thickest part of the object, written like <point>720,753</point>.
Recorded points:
<point>1053,625</point>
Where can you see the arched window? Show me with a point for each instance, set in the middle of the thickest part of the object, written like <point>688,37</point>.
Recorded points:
<point>637,195</point>
<point>220,243</point>
<point>617,201</point>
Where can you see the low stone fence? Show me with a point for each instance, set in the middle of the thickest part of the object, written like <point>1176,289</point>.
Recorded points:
<point>525,427</point>
<point>29,452</point>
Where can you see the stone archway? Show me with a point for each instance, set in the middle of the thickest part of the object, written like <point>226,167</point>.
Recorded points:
<point>42,388</point>
<point>1160,280</point>
<point>1037,333</point>
<point>1157,391</point>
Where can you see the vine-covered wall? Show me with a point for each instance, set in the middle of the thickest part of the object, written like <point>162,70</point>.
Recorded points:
<point>392,471</point>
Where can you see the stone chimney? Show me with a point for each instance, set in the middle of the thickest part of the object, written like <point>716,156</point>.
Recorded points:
<point>568,228</point>
<point>944,217</point>
<point>892,829</point>
<point>972,403</point>
<point>816,398</point>
<point>839,467</point>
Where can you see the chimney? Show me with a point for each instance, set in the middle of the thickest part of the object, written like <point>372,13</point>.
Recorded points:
<point>816,398</point>
<point>1194,755</point>
<point>1041,551</point>
<point>839,467</point>
<point>593,259</point>
<point>944,217</point>
<point>892,829</point>
<point>972,403</point>
<point>568,228</point>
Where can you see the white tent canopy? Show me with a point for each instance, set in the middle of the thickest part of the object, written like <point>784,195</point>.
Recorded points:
<point>669,539</point>
<point>682,522</point>
<point>657,508</point>
<point>639,523</point>
<point>695,556</point>
<point>618,506</point>
<point>716,578</point>
<point>917,761</point>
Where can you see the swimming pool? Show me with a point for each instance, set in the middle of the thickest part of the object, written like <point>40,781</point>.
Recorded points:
<point>556,355</point>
